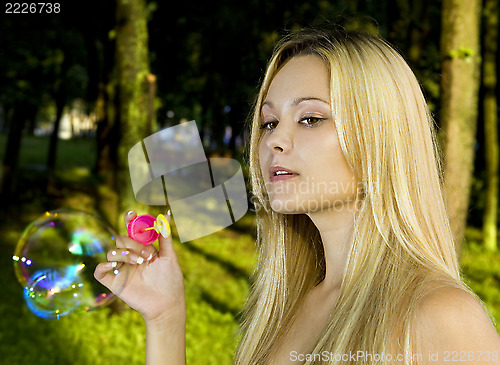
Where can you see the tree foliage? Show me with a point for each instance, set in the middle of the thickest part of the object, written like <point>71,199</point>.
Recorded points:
<point>207,60</point>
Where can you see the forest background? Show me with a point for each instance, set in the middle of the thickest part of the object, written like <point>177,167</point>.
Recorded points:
<point>83,83</point>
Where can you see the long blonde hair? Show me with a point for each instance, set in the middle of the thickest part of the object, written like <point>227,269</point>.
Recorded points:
<point>401,241</point>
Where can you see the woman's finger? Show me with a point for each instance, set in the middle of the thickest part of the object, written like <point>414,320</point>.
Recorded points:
<point>107,272</point>
<point>131,214</point>
<point>127,243</point>
<point>166,245</point>
<point>125,255</point>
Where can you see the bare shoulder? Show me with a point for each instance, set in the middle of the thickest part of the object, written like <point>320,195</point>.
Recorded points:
<point>452,322</point>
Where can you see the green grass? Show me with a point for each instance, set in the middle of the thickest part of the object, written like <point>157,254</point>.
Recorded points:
<point>78,152</point>
<point>216,270</point>
<point>482,272</point>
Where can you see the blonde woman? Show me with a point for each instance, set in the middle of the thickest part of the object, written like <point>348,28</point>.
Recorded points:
<point>356,258</point>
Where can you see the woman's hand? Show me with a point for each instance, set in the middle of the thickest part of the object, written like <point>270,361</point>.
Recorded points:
<point>148,280</point>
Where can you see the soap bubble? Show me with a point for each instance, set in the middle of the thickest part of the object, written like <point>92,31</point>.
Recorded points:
<point>55,260</point>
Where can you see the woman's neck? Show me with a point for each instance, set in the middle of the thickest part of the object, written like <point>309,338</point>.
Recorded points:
<point>335,227</point>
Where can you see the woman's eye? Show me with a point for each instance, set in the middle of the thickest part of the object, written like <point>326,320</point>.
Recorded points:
<point>311,121</point>
<point>269,125</point>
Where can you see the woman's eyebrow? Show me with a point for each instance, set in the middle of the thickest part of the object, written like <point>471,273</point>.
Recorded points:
<point>297,101</point>
<point>300,100</point>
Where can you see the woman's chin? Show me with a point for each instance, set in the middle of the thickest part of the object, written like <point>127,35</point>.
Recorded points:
<point>286,207</point>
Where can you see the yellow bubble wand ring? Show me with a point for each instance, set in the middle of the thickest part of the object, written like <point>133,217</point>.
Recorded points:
<point>161,226</point>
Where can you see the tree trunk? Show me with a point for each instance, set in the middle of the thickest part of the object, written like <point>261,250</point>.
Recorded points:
<point>106,112</point>
<point>12,154</point>
<point>150,91</point>
<point>490,123</point>
<point>459,102</point>
<point>105,132</point>
<point>21,113</point>
<point>133,100</point>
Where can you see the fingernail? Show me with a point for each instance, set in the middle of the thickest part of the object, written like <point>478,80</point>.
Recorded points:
<point>135,259</point>
<point>114,263</point>
<point>124,253</point>
<point>127,214</point>
<point>144,253</point>
<point>116,272</point>
<point>110,264</point>
<point>113,253</point>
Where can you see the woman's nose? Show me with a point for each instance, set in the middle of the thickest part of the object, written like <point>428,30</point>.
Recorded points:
<point>280,140</point>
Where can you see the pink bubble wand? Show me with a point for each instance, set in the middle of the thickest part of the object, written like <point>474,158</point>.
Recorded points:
<point>146,229</point>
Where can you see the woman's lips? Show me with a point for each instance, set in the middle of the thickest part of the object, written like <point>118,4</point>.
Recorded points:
<point>283,177</point>
<point>280,173</point>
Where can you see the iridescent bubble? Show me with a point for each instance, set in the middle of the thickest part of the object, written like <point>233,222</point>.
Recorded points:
<point>55,260</point>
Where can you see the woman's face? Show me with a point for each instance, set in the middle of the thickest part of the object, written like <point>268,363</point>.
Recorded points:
<point>300,136</point>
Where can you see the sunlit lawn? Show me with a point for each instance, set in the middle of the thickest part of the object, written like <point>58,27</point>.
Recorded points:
<point>216,270</point>
<point>71,153</point>
<point>482,272</point>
